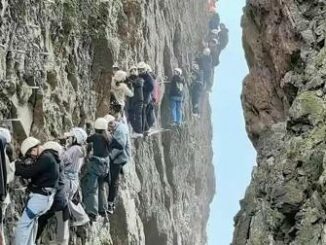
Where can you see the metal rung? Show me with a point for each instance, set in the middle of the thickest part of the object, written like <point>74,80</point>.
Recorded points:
<point>11,120</point>
<point>34,87</point>
<point>18,51</point>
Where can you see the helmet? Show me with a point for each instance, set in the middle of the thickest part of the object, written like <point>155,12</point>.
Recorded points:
<point>109,118</point>
<point>214,40</point>
<point>52,145</point>
<point>195,67</point>
<point>178,70</point>
<point>101,124</point>
<point>142,66</point>
<point>215,31</point>
<point>207,51</point>
<point>149,68</point>
<point>133,70</point>
<point>79,134</point>
<point>28,144</point>
<point>4,132</point>
<point>120,76</point>
<point>115,66</point>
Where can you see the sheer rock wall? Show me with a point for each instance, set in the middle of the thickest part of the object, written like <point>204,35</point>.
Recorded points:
<point>55,69</point>
<point>284,106</point>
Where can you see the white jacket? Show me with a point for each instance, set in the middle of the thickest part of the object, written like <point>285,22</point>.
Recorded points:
<point>120,92</point>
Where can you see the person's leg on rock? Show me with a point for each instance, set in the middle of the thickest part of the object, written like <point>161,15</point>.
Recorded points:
<point>113,188</point>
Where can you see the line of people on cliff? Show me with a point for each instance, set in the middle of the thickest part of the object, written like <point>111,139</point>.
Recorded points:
<point>75,180</point>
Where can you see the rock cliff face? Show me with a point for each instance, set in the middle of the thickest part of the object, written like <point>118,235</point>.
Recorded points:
<point>284,106</point>
<point>55,69</point>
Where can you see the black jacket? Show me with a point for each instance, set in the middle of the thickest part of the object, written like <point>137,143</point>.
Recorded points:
<point>137,84</point>
<point>3,169</point>
<point>43,173</point>
<point>148,86</point>
<point>177,86</point>
<point>60,201</point>
<point>214,22</point>
<point>100,144</point>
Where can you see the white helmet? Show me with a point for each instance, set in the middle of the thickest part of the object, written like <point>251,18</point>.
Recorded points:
<point>207,51</point>
<point>195,67</point>
<point>133,70</point>
<point>109,118</point>
<point>115,66</point>
<point>28,144</point>
<point>215,31</point>
<point>149,68</point>
<point>101,124</point>
<point>79,134</point>
<point>178,71</point>
<point>142,66</point>
<point>4,132</point>
<point>52,145</point>
<point>120,76</point>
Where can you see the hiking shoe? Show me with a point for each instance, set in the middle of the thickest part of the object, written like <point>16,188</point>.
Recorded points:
<point>111,208</point>
<point>137,135</point>
<point>92,217</point>
<point>81,222</point>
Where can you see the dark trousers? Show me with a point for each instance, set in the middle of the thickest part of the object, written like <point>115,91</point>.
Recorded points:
<point>136,116</point>
<point>115,170</point>
<point>196,95</point>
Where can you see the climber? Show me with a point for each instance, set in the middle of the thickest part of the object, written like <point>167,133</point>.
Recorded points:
<point>72,160</point>
<point>176,96</point>
<point>115,68</point>
<point>120,90</point>
<point>135,109</point>
<point>206,65</point>
<point>93,183</point>
<point>223,38</point>
<point>214,22</point>
<point>59,207</point>
<point>119,155</point>
<point>43,170</point>
<point>212,6</point>
<point>147,91</point>
<point>6,176</point>
<point>150,112</point>
<point>212,45</point>
<point>196,88</point>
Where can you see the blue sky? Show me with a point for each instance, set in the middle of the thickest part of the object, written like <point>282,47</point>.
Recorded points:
<point>234,155</point>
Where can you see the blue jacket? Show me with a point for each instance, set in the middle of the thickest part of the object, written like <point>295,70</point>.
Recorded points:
<point>120,145</point>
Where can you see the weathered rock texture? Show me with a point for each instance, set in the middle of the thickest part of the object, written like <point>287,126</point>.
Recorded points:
<point>284,104</point>
<point>55,68</point>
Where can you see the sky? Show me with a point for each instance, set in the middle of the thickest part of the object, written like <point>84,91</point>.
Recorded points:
<point>234,155</point>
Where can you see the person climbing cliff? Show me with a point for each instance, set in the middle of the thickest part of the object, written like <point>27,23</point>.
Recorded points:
<point>6,176</point>
<point>93,183</point>
<point>115,68</point>
<point>120,90</point>
<point>147,91</point>
<point>59,207</point>
<point>176,96</point>
<point>206,65</point>
<point>223,38</point>
<point>196,88</point>
<point>72,161</point>
<point>214,21</point>
<point>119,155</point>
<point>43,171</point>
<point>136,102</point>
<point>213,46</point>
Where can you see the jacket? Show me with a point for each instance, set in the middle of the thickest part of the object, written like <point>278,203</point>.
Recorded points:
<point>43,173</point>
<point>148,86</point>
<point>177,86</point>
<point>120,145</point>
<point>3,169</point>
<point>120,91</point>
<point>214,22</point>
<point>137,84</point>
<point>60,201</point>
